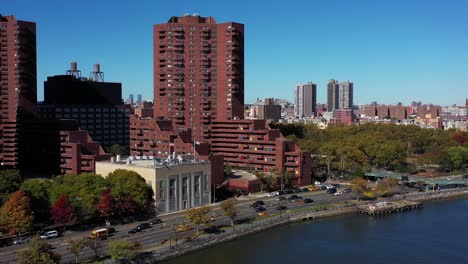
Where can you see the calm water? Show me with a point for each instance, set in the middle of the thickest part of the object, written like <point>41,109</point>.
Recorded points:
<point>438,233</point>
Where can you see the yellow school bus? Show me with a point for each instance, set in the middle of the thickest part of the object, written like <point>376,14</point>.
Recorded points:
<point>99,233</point>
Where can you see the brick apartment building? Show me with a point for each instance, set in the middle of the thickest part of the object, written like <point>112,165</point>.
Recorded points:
<point>399,112</point>
<point>252,144</point>
<point>198,72</point>
<point>18,84</point>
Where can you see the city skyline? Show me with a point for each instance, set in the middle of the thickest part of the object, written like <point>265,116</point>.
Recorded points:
<point>393,52</point>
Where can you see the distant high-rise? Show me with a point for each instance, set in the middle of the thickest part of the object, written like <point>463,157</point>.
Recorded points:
<point>305,99</point>
<point>332,95</point>
<point>198,72</point>
<point>131,97</point>
<point>139,100</point>
<point>345,95</point>
<point>18,84</point>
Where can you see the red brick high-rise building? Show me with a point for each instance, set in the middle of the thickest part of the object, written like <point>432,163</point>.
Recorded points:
<point>18,83</point>
<point>198,72</point>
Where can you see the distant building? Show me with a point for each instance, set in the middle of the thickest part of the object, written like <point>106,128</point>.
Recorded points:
<point>177,184</point>
<point>428,111</point>
<point>398,112</point>
<point>131,98</point>
<point>139,99</point>
<point>345,116</point>
<point>345,95</point>
<point>332,95</point>
<point>144,110</point>
<point>305,99</point>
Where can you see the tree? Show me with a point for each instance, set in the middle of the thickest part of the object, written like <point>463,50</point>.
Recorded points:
<point>125,183</point>
<point>105,205</point>
<point>126,206</point>
<point>359,186</point>
<point>229,208</point>
<point>10,182</point>
<point>95,245</point>
<point>38,252</point>
<point>16,213</point>
<point>198,216</point>
<point>63,212</point>
<point>76,247</point>
<point>384,187</point>
<point>123,250</point>
<point>38,192</point>
<point>117,149</point>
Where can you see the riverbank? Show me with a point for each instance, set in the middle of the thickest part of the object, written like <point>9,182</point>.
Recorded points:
<point>287,218</point>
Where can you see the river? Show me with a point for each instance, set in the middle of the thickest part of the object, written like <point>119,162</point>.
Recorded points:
<point>437,233</point>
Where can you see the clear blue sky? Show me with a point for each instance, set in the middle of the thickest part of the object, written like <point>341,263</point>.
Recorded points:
<point>393,50</point>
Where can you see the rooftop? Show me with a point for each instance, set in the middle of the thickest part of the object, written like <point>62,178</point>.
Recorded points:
<point>154,162</point>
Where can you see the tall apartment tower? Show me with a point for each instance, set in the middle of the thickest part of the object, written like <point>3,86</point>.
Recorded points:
<point>345,97</point>
<point>305,99</point>
<point>198,72</point>
<point>18,83</point>
<point>332,95</point>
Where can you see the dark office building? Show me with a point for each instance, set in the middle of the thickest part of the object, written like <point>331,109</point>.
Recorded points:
<point>333,88</point>
<point>18,84</point>
<point>97,106</point>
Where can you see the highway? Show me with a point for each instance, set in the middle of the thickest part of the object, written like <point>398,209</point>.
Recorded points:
<point>151,237</point>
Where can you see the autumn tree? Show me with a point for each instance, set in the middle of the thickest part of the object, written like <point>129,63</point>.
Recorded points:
<point>16,213</point>
<point>359,186</point>
<point>198,216</point>
<point>38,252</point>
<point>229,208</point>
<point>10,182</point>
<point>76,247</point>
<point>123,250</point>
<point>95,245</point>
<point>63,212</point>
<point>384,187</point>
<point>105,206</point>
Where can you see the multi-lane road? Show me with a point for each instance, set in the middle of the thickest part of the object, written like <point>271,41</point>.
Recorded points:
<point>151,237</point>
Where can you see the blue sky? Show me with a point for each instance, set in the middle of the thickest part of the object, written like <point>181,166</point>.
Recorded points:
<point>393,50</point>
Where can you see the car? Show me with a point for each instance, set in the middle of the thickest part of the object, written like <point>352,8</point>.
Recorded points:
<point>305,190</point>
<point>257,204</point>
<point>294,198</point>
<point>184,227</point>
<point>281,207</point>
<point>134,230</point>
<point>263,213</point>
<point>313,188</point>
<point>323,187</point>
<point>260,209</point>
<point>21,240</point>
<point>347,190</point>
<point>330,187</point>
<point>288,191</point>
<point>273,194</point>
<point>280,192</point>
<point>308,200</point>
<point>212,218</point>
<point>298,190</point>
<point>331,190</point>
<point>156,221</point>
<point>50,234</point>
<point>143,226</point>
<point>281,198</point>
<point>338,193</point>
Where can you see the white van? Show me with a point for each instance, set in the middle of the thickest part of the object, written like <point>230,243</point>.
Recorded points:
<point>50,234</point>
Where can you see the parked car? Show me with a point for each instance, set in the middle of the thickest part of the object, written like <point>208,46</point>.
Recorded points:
<point>308,200</point>
<point>323,187</point>
<point>347,190</point>
<point>281,198</point>
<point>260,209</point>
<point>50,234</point>
<point>257,204</point>
<point>156,221</point>
<point>281,207</point>
<point>134,230</point>
<point>21,240</point>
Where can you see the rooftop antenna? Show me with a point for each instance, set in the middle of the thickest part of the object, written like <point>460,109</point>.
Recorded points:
<point>97,75</point>
<point>74,70</point>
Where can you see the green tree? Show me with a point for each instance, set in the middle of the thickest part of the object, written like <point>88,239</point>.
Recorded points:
<point>198,216</point>
<point>76,247</point>
<point>117,149</point>
<point>38,252</point>
<point>38,192</point>
<point>10,182</point>
<point>229,208</point>
<point>359,186</point>
<point>16,213</point>
<point>123,250</point>
<point>124,182</point>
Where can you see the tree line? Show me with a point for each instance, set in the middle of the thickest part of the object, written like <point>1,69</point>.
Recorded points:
<point>351,150</point>
<point>70,199</point>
